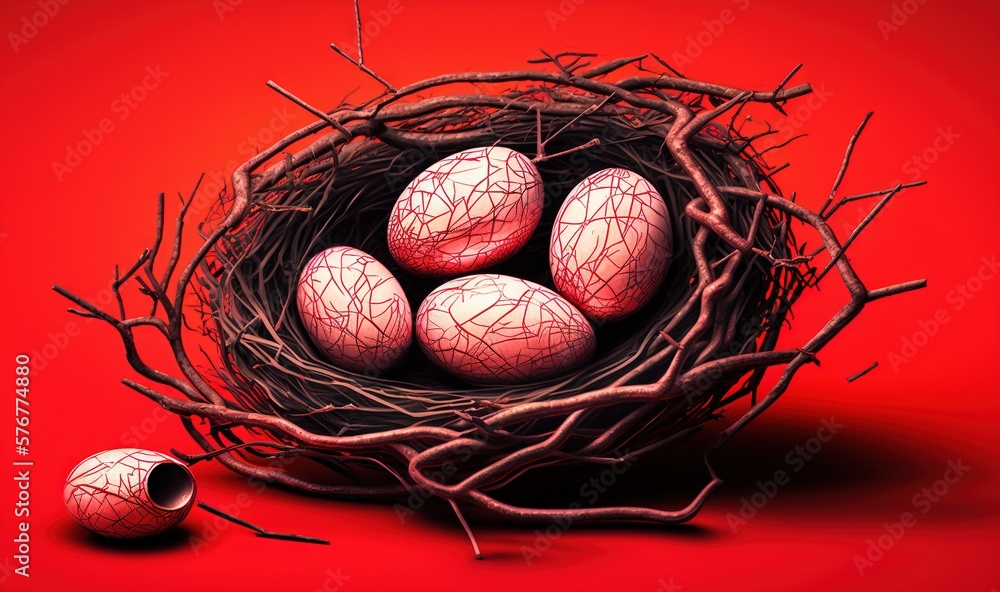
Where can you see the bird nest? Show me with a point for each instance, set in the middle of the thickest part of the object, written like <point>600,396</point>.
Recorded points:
<point>705,339</point>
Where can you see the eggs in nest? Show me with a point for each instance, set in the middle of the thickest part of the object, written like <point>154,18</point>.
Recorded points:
<point>609,249</point>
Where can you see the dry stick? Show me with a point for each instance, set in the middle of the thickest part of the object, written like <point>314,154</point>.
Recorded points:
<point>178,232</point>
<point>896,289</point>
<point>289,429</point>
<point>667,66</point>
<point>357,32</point>
<point>318,113</point>
<point>845,162</point>
<point>540,150</point>
<point>857,232</point>
<point>781,85</point>
<point>858,375</point>
<point>277,476</point>
<point>160,220</point>
<point>261,532</point>
<point>610,66</point>
<point>191,459</point>
<point>363,68</point>
<point>584,146</point>
<point>540,156</point>
<point>846,200</point>
<point>468,531</point>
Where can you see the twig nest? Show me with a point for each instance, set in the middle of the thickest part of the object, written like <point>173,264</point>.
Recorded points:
<point>704,339</point>
<point>490,328</point>
<point>465,212</point>
<point>354,310</point>
<point>610,244</point>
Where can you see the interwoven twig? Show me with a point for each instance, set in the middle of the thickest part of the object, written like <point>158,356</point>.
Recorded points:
<point>705,342</point>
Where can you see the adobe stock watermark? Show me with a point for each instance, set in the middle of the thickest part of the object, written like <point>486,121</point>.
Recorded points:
<point>419,495</point>
<point>795,461</point>
<point>899,15</point>
<point>802,111</point>
<point>711,30</point>
<point>215,182</point>
<point>121,108</point>
<point>957,299</point>
<point>6,569</point>
<point>706,380</point>
<point>213,528</point>
<point>590,492</point>
<point>333,581</point>
<point>918,164</point>
<point>31,24</point>
<point>562,11</point>
<point>668,586</point>
<point>912,170</point>
<point>59,340</point>
<point>223,8</point>
<point>922,502</point>
<point>138,433</point>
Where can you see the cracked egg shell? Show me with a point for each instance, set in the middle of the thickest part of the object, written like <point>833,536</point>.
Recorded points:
<point>129,492</point>
<point>354,310</point>
<point>496,329</point>
<point>466,212</point>
<point>610,244</point>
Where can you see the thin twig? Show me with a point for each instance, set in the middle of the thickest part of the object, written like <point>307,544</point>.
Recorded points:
<point>357,31</point>
<point>363,68</point>
<point>858,375</point>
<point>844,163</point>
<point>261,532</point>
<point>318,113</point>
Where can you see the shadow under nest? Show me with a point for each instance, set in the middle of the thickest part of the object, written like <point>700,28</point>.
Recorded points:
<point>271,366</point>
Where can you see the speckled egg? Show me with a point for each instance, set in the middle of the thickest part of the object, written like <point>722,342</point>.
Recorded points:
<point>354,310</point>
<point>129,492</point>
<point>610,244</point>
<point>466,212</point>
<point>496,329</point>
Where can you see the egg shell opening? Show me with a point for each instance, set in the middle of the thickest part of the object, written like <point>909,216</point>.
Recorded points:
<point>129,493</point>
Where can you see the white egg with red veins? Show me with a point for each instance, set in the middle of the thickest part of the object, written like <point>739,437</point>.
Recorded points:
<point>610,244</point>
<point>354,310</point>
<point>496,329</point>
<point>466,212</point>
<point>129,493</point>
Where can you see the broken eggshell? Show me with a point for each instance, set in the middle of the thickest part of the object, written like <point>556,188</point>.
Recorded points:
<point>466,212</point>
<point>129,493</point>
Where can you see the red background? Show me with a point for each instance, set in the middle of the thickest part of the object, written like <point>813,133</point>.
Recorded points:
<point>901,424</point>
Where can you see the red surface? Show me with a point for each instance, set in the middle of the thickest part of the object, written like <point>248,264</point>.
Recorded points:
<point>931,83</point>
